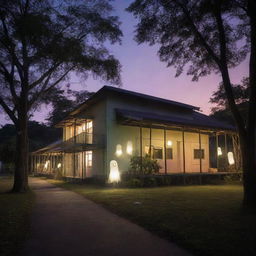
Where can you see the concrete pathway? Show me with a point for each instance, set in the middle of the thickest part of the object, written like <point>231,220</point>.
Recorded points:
<point>65,223</point>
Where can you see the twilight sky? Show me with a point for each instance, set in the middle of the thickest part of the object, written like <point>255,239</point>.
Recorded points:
<point>143,72</point>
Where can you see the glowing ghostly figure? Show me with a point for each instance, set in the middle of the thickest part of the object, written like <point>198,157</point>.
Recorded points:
<point>219,151</point>
<point>129,148</point>
<point>169,143</point>
<point>231,159</point>
<point>119,150</point>
<point>59,165</point>
<point>114,175</point>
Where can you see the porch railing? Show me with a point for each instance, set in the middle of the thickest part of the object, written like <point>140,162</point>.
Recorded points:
<point>86,138</point>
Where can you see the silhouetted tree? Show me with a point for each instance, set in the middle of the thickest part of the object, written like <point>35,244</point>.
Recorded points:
<point>41,42</point>
<point>65,103</point>
<point>204,36</point>
<point>241,95</point>
<point>39,135</point>
<point>240,92</point>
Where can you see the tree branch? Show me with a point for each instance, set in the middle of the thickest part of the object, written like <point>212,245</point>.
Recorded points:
<point>224,69</point>
<point>43,90</point>
<point>9,76</point>
<point>198,33</point>
<point>48,73</point>
<point>8,111</point>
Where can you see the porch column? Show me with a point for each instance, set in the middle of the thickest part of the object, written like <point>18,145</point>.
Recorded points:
<point>83,161</point>
<point>200,149</point>
<point>226,151</point>
<point>165,162</point>
<point>150,142</point>
<point>217,146</point>
<point>74,156</point>
<point>141,149</point>
<point>63,164</point>
<point>183,150</point>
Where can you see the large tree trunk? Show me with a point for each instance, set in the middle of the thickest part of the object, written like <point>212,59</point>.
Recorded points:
<point>21,161</point>
<point>249,172</point>
<point>249,146</point>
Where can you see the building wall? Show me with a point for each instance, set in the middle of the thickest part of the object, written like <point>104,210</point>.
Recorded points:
<point>97,113</point>
<point>120,135</point>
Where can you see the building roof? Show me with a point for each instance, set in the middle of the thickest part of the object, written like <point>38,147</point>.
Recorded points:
<point>191,118</point>
<point>110,90</point>
<point>53,147</point>
<point>194,119</point>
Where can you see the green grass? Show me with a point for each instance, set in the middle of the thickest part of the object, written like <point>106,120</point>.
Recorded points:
<point>207,220</point>
<point>15,210</point>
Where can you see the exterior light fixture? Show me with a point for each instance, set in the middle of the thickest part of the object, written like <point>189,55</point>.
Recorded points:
<point>119,150</point>
<point>129,148</point>
<point>219,151</point>
<point>46,164</point>
<point>59,165</point>
<point>114,175</point>
<point>231,159</point>
<point>169,143</point>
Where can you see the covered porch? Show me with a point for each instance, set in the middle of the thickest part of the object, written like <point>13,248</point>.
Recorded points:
<point>184,145</point>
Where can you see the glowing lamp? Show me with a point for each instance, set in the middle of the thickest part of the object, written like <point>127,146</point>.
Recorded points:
<point>59,165</point>
<point>46,164</point>
<point>169,143</point>
<point>231,159</point>
<point>129,148</point>
<point>219,151</point>
<point>114,175</point>
<point>119,150</point>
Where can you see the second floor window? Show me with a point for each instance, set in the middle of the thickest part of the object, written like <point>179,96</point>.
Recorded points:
<point>88,126</point>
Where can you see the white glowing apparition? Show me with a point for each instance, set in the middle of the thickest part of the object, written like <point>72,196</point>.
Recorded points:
<point>114,175</point>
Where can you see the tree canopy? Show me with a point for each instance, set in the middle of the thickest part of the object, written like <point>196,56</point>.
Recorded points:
<point>41,42</point>
<point>65,102</point>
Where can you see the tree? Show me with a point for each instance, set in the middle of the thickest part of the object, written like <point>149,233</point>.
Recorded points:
<point>7,139</point>
<point>41,43</point>
<point>240,92</point>
<point>63,104</point>
<point>204,36</point>
<point>241,95</point>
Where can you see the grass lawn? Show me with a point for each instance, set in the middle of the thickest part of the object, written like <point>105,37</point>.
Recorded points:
<point>15,211</point>
<point>207,220</point>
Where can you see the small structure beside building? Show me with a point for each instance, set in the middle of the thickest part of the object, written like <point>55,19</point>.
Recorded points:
<point>116,124</point>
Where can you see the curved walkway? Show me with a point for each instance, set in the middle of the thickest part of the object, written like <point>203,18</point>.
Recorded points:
<point>65,223</point>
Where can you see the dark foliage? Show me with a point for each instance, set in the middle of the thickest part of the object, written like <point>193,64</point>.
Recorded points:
<point>39,135</point>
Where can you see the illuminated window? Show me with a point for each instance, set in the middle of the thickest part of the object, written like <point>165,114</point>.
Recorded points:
<point>198,153</point>
<point>87,126</point>
<point>88,158</point>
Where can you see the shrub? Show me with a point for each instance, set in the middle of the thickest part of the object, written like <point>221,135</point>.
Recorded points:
<point>143,165</point>
<point>134,183</point>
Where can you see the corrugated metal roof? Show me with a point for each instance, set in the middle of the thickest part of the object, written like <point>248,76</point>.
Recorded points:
<point>196,119</point>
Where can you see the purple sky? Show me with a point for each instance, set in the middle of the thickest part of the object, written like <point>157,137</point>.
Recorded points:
<point>143,72</point>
